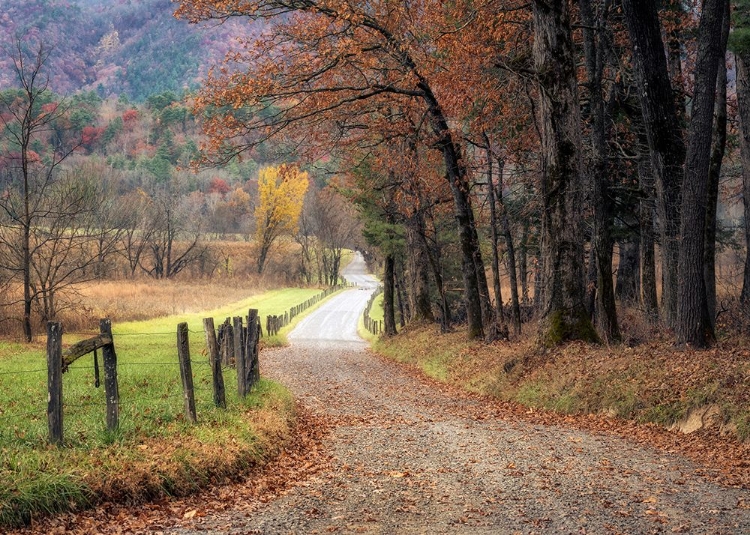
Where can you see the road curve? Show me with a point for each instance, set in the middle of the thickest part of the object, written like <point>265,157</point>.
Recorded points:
<point>336,319</point>
<point>408,455</point>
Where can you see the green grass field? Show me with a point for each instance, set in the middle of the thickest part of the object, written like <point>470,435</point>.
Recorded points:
<point>155,451</point>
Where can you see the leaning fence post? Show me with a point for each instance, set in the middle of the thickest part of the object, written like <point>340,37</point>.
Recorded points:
<point>54,382</point>
<point>111,389</point>
<point>215,359</point>
<point>186,371</point>
<point>239,355</point>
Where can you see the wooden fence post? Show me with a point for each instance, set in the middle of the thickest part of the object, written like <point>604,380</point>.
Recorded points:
<point>220,399</point>
<point>186,371</point>
<point>239,355</point>
<point>54,382</point>
<point>111,388</point>
<point>251,351</point>
<point>228,343</point>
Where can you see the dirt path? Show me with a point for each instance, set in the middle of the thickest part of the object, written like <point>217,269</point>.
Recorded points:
<point>405,455</point>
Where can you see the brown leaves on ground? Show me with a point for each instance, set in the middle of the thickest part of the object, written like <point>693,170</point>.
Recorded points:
<point>301,456</point>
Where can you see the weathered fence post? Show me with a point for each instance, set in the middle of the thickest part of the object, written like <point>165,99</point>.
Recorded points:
<point>252,373</point>
<point>239,355</point>
<point>215,359</point>
<point>186,371</point>
<point>111,388</point>
<point>54,382</point>
<point>227,346</point>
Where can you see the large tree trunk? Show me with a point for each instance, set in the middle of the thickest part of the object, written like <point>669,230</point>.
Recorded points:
<point>743,104</point>
<point>418,264</point>
<point>664,136</point>
<point>693,324</point>
<point>714,173</point>
<point>564,315</point>
<point>604,217</point>
<point>476,294</point>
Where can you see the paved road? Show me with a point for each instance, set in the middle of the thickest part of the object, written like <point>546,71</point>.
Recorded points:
<point>410,456</point>
<point>336,320</point>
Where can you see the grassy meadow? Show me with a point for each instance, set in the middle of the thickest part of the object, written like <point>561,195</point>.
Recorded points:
<point>155,452</point>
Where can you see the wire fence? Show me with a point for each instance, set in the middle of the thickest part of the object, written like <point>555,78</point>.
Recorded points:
<point>147,388</point>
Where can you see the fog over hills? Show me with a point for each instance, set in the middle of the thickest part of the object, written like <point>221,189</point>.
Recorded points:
<point>114,47</point>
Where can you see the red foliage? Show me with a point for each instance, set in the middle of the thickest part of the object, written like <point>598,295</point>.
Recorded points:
<point>129,117</point>
<point>218,185</point>
<point>90,135</point>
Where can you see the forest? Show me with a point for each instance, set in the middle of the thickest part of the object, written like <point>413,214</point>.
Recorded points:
<point>552,134</point>
<point>506,161</point>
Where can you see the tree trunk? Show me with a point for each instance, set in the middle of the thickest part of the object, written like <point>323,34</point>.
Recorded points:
<point>493,235</point>
<point>714,174</point>
<point>604,217</point>
<point>693,324</point>
<point>664,136</point>
<point>515,307</point>
<point>648,295</point>
<point>523,270</point>
<point>472,267</point>
<point>389,316</point>
<point>564,314</point>
<point>743,104</point>
<point>628,272</point>
<point>418,263</point>
<point>435,257</point>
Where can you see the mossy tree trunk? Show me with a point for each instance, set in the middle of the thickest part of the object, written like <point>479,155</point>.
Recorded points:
<point>564,315</point>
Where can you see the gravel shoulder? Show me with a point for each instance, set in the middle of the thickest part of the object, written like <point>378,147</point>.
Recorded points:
<point>404,454</point>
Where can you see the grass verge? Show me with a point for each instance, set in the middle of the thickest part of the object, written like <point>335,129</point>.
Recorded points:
<point>652,382</point>
<point>155,452</point>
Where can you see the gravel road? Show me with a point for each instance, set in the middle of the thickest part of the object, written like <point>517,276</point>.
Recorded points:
<point>407,455</point>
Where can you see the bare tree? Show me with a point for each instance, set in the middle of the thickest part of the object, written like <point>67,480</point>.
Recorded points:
<point>29,116</point>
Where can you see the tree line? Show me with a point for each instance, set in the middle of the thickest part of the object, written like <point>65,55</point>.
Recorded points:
<point>548,131</point>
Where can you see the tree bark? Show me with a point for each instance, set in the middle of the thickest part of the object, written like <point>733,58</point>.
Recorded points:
<point>714,174</point>
<point>693,324</point>
<point>493,235</point>
<point>472,266</point>
<point>604,217</point>
<point>515,306</point>
<point>564,314</point>
<point>389,316</point>
<point>743,105</point>
<point>628,272</point>
<point>418,263</point>
<point>648,296</point>
<point>665,142</point>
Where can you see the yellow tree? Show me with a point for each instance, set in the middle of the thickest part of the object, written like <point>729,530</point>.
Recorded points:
<point>281,194</point>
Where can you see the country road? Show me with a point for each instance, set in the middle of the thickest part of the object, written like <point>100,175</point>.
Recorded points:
<point>407,455</point>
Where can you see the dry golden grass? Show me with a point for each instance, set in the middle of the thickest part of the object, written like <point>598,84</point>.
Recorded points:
<point>145,299</point>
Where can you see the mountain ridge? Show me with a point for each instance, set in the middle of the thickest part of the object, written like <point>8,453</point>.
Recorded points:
<point>115,47</point>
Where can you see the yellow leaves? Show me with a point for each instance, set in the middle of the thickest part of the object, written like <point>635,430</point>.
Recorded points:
<point>281,193</point>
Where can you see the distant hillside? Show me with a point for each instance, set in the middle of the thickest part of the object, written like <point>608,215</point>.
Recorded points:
<point>130,47</point>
